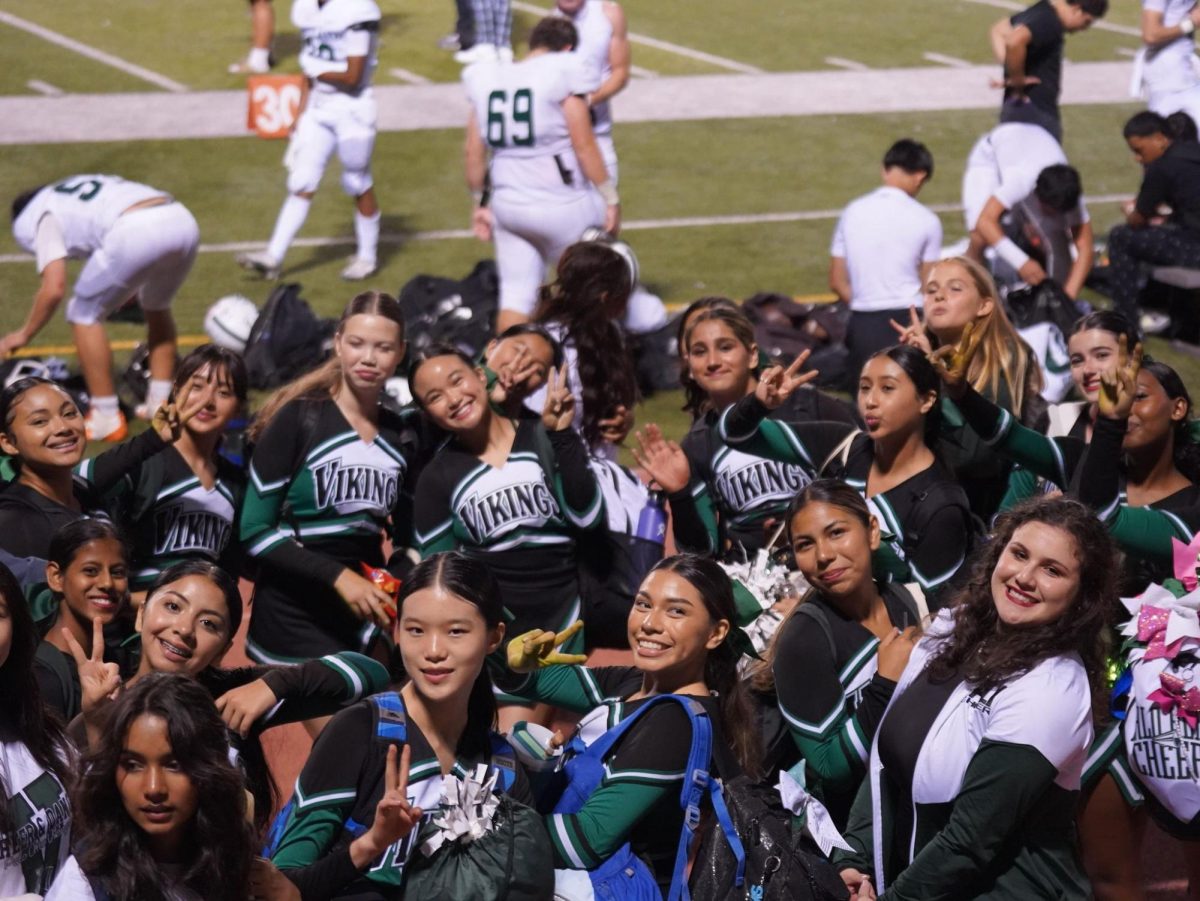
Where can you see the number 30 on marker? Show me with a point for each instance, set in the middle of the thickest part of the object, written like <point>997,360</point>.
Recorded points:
<point>274,103</point>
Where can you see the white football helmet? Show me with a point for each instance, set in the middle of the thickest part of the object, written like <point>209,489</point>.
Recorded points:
<point>596,233</point>
<point>228,321</point>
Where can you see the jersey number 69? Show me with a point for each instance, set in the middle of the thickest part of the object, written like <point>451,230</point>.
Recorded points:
<point>510,122</point>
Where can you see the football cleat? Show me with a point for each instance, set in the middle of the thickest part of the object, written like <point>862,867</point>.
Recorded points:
<point>99,427</point>
<point>262,263</point>
<point>358,269</point>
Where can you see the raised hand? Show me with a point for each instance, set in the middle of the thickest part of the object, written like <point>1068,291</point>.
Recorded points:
<point>512,374</point>
<point>536,649</point>
<point>559,410</point>
<point>395,817</point>
<point>170,418</point>
<point>777,384</point>
<point>365,599</point>
<point>99,682</point>
<point>953,361</point>
<point>664,460</point>
<point>1118,386</point>
<point>617,426</point>
<point>913,334</point>
<point>242,707</point>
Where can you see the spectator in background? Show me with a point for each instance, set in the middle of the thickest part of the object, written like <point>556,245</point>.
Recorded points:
<point>488,31</point>
<point>1030,46</point>
<point>883,247</point>
<point>1164,64</point>
<point>1172,178</point>
<point>1020,169</point>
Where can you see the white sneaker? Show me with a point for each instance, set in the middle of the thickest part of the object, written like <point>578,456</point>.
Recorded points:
<point>248,67</point>
<point>100,427</point>
<point>262,263</point>
<point>358,269</point>
<point>476,54</point>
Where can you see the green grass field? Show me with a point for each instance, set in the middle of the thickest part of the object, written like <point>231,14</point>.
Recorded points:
<point>669,170</point>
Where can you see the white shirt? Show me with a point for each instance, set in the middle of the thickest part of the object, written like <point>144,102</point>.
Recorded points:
<point>334,33</point>
<point>518,109</point>
<point>84,207</point>
<point>1021,152</point>
<point>1168,67</point>
<point>595,41</point>
<point>884,238</point>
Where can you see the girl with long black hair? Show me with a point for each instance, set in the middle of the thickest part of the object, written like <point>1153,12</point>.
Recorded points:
<point>678,630</point>
<point>834,662</point>
<point>976,767</point>
<point>725,501</point>
<point>367,785</point>
<point>328,474</point>
<point>161,810</point>
<point>35,760</point>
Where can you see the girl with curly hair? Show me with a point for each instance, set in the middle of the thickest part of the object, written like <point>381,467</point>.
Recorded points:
<point>975,770</point>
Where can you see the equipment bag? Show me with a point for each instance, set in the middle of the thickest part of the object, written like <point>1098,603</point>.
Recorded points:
<point>777,865</point>
<point>441,310</point>
<point>288,339</point>
<point>624,875</point>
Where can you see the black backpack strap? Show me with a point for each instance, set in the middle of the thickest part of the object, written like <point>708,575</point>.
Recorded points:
<point>814,612</point>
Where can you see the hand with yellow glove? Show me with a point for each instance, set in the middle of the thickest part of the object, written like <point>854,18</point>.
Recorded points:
<point>536,649</point>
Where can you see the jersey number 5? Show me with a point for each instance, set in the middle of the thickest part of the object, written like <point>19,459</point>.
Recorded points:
<point>510,122</point>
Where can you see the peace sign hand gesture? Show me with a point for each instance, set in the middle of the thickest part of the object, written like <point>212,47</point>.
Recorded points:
<point>559,410</point>
<point>913,334</point>
<point>99,682</point>
<point>954,360</point>
<point>777,384</point>
<point>170,418</point>
<point>1118,387</point>
<point>513,373</point>
<point>395,817</point>
<point>535,649</point>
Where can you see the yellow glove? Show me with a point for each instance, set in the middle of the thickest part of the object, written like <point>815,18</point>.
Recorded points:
<point>535,649</point>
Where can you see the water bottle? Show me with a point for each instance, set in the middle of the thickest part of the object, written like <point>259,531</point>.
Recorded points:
<point>652,521</point>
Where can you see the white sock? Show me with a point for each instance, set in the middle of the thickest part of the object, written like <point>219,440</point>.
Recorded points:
<point>106,406</point>
<point>366,230</point>
<point>291,216</point>
<point>157,393</point>
<point>260,57</point>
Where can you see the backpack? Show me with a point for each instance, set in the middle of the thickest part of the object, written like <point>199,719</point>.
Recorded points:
<point>441,310</point>
<point>624,875</point>
<point>783,327</point>
<point>287,340</point>
<point>656,358</point>
<point>1046,302</point>
<point>777,866</point>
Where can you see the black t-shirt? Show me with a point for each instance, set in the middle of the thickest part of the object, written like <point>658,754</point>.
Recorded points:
<point>1174,179</point>
<point>1044,56</point>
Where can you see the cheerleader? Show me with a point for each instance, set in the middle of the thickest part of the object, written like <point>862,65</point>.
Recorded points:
<point>88,573</point>
<point>508,492</point>
<point>725,501</point>
<point>680,632</point>
<point>975,771</point>
<point>42,429</point>
<point>35,761</point>
<point>959,291</point>
<point>926,525</point>
<point>162,811</point>
<point>327,474</point>
<point>182,503</point>
<point>835,661</point>
<point>378,766</point>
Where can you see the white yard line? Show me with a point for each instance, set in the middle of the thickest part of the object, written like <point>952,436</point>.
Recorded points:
<point>1100,25</point>
<point>409,77</point>
<point>44,87</point>
<point>639,72</point>
<point>458,234</point>
<point>99,56</point>
<point>952,61</point>
<point>646,41</point>
<point>849,64</point>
